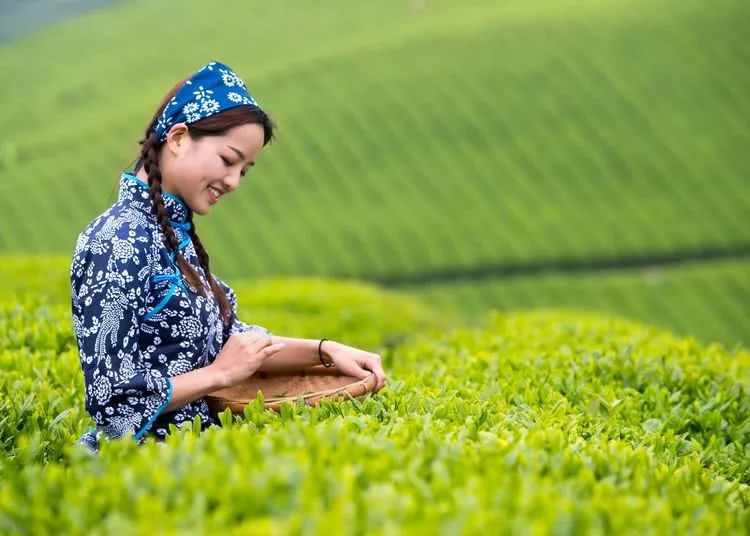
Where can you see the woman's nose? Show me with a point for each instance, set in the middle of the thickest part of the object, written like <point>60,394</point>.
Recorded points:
<point>232,181</point>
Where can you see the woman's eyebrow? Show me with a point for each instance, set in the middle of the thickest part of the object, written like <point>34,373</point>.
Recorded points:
<point>240,153</point>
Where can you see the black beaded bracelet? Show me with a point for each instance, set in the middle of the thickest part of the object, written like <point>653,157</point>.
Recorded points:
<point>320,354</point>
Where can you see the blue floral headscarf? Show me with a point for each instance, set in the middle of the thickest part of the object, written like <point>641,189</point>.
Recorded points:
<point>213,88</point>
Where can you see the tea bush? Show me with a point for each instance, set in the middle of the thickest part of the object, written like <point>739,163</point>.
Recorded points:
<point>42,381</point>
<point>538,422</point>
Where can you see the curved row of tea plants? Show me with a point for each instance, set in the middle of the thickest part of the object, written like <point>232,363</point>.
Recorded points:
<point>411,140</point>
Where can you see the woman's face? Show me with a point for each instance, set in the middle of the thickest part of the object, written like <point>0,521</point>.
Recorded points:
<point>203,171</point>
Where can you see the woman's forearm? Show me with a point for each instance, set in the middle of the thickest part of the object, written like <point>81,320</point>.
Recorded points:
<point>296,355</point>
<point>193,385</point>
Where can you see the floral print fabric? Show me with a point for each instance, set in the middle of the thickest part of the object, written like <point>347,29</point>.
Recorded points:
<point>137,324</point>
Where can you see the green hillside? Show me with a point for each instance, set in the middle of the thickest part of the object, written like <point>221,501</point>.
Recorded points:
<point>544,422</point>
<point>411,141</point>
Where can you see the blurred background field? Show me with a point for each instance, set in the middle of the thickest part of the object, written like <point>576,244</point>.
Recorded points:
<point>479,155</point>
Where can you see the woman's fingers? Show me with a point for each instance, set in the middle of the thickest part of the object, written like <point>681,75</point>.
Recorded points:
<point>261,341</point>
<point>272,349</point>
<point>377,369</point>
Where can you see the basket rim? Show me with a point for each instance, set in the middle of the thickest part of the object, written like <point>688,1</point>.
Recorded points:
<point>291,398</point>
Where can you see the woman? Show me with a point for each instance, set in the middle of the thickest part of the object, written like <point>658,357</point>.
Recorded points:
<point>156,330</point>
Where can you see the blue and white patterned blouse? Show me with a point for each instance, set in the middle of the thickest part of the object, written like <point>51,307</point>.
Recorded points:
<point>136,322</point>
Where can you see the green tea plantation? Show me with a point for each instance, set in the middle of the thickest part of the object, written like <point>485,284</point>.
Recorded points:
<point>534,211</point>
<point>545,422</point>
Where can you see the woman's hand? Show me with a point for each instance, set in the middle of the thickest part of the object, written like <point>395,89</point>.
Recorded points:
<point>355,362</point>
<point>241,356</point>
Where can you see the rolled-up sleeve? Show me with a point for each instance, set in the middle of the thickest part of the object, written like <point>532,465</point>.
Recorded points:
<point>110,282</point>
<point>237,325</point>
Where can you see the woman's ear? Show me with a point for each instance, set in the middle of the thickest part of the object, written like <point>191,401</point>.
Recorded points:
<point>177,138</point>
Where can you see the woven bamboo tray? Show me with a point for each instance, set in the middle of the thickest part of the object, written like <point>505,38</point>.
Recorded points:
<point>313,384</point>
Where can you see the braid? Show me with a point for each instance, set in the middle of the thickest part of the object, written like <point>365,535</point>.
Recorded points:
<point>224,304</point>
<point>149,156</point>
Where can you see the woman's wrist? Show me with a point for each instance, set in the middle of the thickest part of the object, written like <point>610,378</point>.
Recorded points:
<point>217,378</point>
<point>324,357</point>
<point>195,384</point>
<point>327,347</point>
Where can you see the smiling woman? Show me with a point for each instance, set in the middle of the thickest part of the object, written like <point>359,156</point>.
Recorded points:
<point>192,156</point>
<point>156,330</point>
<point>207,165</point>
<point>141,329</point>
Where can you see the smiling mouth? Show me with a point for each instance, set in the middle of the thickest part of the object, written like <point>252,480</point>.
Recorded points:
<point>213,194</point>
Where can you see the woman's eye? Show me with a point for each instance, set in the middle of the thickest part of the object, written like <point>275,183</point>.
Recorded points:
<point>228,163</point>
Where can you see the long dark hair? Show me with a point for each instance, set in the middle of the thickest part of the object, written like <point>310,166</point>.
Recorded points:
<point>214,125</point>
